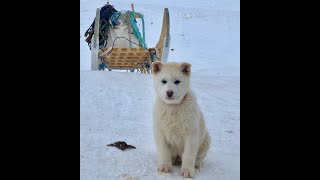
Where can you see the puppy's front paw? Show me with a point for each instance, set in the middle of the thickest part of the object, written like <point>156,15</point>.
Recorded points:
<point>187,172</point>
<point>167,168</point>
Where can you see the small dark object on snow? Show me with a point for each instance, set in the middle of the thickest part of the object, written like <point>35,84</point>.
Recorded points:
<point>122,145</point>
<point>172,49</point>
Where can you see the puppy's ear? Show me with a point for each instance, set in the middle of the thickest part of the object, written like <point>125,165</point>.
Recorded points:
<point>185,68</point>
<point>156,67</point>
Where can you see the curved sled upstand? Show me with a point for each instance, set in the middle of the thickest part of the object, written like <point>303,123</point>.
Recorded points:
<point>131,58</point>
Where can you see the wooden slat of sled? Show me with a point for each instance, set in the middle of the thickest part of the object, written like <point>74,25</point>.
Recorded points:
<point>121,54</point>
<point>126,61</point>
<point>125,50</point>
<point>123,67</point>
<point>123,62</point>
<point>127,58</point>
<point>128,65</point>
<point>127,53</point>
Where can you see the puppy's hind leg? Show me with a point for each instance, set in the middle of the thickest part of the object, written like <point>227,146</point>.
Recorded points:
<point>203,150</point>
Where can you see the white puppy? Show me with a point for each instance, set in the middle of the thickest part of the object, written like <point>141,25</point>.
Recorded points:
<point>179,126</point>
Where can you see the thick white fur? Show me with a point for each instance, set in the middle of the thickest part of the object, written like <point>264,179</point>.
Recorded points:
<point>179,127</point>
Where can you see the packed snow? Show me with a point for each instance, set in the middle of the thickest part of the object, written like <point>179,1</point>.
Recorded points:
<point>117,106</point>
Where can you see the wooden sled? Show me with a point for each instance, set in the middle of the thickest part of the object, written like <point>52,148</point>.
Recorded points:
<point>130,58</point>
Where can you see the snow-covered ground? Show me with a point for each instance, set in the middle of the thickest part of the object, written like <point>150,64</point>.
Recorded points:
<point>118,105</point>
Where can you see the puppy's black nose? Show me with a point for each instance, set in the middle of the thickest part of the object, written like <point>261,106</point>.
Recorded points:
<point>169,93</point>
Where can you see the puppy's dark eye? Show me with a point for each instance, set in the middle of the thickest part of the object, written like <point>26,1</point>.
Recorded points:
<point>164,81</point>
<point>177,82</point>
